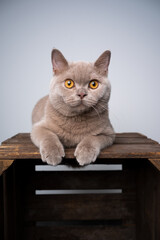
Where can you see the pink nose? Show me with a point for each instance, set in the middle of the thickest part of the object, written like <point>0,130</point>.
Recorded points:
<point>82,95</point>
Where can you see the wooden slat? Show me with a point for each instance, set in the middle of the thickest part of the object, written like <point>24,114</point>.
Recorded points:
<point>80,207</point>
<point>4,164</point>
<point>19,151</point>
<point>84,180</point>
<point>157,204</point>
<point>17,138</point>
<point>149,202</point>
<point>20,146</point>
<point>25,137</point>
<point>126,146</point>
<point>140,180</point>
<point>1,209</point>
<point>131,151</point>
<point>114,151</point>
<point>120,139</point>
<point>134,140</point>
<point>9,204</point>
<point>155,162</point>
<point>148,210</point>
<point>130,134</point>
<point>22,182</point>
<point>52,180</point>
<point>81,233</point>
<point>126,138</point>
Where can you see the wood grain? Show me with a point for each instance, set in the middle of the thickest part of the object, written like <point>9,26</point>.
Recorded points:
<point>132,214</point>
<point>80,207</point>
<point>126,146</point>
<point>83,232</point>
<point>4,164</point>
<point>23,148</point>
<point>1,209</point>
<point>155,162</point>
<point>84,180</point>
<point>115,151</point>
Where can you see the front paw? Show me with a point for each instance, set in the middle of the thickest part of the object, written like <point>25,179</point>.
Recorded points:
<point>51,152</point>
<point>86,153</point>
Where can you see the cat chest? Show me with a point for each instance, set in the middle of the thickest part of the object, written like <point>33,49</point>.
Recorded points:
<point>72,132</point>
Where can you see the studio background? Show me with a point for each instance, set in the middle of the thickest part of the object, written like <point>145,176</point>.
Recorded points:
<point>82,30</point>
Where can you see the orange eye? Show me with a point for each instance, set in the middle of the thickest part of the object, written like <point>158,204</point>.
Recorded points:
<point>93,84</point>
<point>69,83</point>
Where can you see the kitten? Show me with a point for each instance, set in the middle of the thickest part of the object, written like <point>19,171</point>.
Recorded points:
<point>75,113</point>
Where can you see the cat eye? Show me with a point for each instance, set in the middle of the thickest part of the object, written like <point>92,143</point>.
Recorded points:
<point>69,83</point>
<point>94,84</point>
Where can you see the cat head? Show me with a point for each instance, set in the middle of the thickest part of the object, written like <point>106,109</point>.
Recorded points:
<point>79,87</point>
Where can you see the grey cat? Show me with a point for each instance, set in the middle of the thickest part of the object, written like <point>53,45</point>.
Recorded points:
<point>75,113</point>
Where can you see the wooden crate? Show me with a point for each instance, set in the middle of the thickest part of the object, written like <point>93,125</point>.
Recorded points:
<point>117,198</point>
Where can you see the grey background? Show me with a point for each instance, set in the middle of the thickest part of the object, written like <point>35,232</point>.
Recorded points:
<point>82,30</point>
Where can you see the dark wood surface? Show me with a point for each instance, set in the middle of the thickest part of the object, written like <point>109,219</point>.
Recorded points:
<point>71,216</point>
<point>1,209</point>
<point>132,213</point>
<point>147,202</point>
<point>80,233</point>
<point>126,146</point>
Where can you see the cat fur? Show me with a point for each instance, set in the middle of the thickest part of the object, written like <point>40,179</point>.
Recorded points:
<point>64,119</point>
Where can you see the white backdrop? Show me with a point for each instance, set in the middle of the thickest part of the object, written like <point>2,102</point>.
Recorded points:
<point>82,30</point>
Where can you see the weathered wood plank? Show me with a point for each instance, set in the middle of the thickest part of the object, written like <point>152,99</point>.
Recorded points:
<point>89,232</point>
<point>120,139</point>
<point>157,229</point>
<point>155,162</point>
<point>134,140</point>
<point>149,202</point>
<point>9,204</point>
<point>126,138</point>
<point>80,207</point>
<point>126,146</point>
<point>4,164</point>
<point>84,180</point>
<point>114,151</point>
<point>23,137</point>
<point>1,209</point>
<point>140,196</point>
<point>130,134</point>
<point>148,214</point>
<point>23,186</point>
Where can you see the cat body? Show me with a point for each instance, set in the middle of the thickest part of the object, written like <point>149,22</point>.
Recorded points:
<point>73,131</point>
<point>75,113</point>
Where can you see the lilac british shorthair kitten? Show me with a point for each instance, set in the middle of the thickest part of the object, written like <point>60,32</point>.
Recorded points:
<point>75,113</point>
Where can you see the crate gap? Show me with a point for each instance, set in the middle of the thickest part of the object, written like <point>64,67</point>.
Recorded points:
<point>75,191</point>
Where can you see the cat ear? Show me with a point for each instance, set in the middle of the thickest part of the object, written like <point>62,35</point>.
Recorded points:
<point>102,62</point>
<point>59,62</point>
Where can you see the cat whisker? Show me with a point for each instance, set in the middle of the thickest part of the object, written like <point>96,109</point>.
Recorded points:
<point>96,111</point>
<point>90,102</point>
<point>105,108</point>
<point>103,101</point>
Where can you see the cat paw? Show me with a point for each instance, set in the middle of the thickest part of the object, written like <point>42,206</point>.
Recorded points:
<point>86,153</point>
<point>52,153</point>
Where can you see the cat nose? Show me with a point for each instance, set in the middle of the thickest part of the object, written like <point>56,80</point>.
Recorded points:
<point>82,95</point>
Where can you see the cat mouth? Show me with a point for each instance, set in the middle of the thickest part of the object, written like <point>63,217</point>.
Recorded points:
<point>76,103</point>
<point>79,106</point>
<point>82,103</point>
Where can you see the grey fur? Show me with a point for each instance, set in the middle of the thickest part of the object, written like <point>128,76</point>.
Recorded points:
<point>63,119</point>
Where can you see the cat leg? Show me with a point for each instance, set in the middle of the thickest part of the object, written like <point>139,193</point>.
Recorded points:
<point>89,148</point>
<point>51,149</point>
